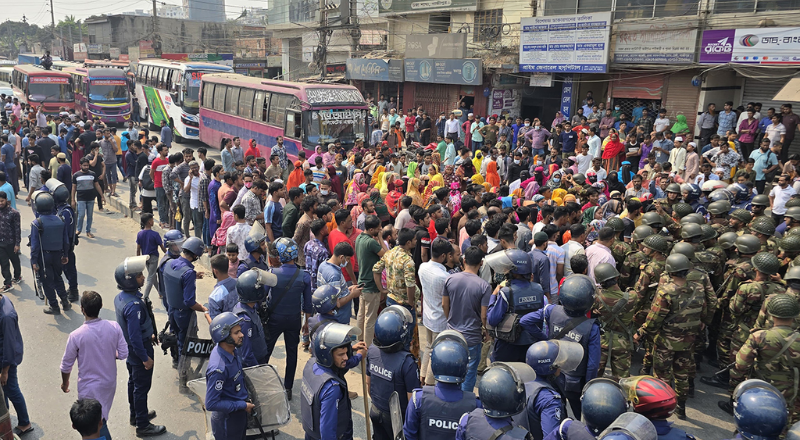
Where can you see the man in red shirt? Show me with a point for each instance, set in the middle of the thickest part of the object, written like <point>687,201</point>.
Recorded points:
<point>156,169</point>
<point>344,223</point>
<point>252,150</point>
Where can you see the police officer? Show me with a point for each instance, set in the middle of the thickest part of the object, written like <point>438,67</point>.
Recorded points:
<point>629,426</point>
<point>325,408</point>
<point>390,368</point>
<point>602,401</point>
<point>656,401</point>
<point>180,285</point>
<point>64,211</point>
<point>323,301</point>
<point>173,240</point>
<point>289,299</point>
<point>226,393</point>
<point>615,310</point>
<point>692,197</point>
<point>760,411</point>
<point>137,327</point>
<point>434,411</point>
<point>256,246</point>
<point>568,322</point>
<point>544,407</point>
<point>502,391</point>
<point>49,251</point>
<point>250,288</point>
<point>523,295</point>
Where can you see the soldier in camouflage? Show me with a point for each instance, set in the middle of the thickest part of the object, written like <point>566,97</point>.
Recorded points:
<point>759,206</point>
<point>764,229</point>
<point>619,249</point>
<point>677,315</point>
<point>710,243</point>
<point>692,233</point>
<point>718,212</point>
<point>631,266</point>
<point>792,279</point>
<point>789,250</point>
<point>679,211</point>
<point>725,243</point>
<point>655,247</point>
<point>739,220</point>
<point>653,220</point>
<point>615,310</point>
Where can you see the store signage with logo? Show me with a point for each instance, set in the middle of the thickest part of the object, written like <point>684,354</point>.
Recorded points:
<point>374,69</point>
<point>395,7</point>
<point>771,46</point>
<point>94,48</point>
<point>672,42</point>
<point>332,69</point>
<point>274,61</point>
<point>436,45</point>
<point>567,43</point>
<point>467,71</point>
<point>248,65</point>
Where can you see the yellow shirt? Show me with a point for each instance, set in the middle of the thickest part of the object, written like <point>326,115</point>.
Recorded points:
<point>119,144</point>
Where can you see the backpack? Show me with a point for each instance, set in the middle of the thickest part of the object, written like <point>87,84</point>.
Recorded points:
<point>147,181</point>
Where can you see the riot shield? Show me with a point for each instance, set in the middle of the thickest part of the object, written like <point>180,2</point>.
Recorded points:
<point>397,416</point>
<point>194,355</point>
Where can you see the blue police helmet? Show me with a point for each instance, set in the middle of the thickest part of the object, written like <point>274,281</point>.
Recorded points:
<point>545,357</point>
<point>617,435</point>
<point>194,245</point>
<point>602,401</point>
<point>449,357</point>
<point>252,244</point>
<point>630,426</point>
<point>221,326</point>
<point>577,294</point>
<point>331,337</point>
<point>126,273</point>
<point>394,328</point>
<point>502,388</point>
<point>693,193</point>
<point>173,237</point>
<point>794,432</point>
<point>323,300</point>
<point>249,288</point>
<point>43,202</point>
<point>287,249</point>
<point>760,414</point>
<point>58,190</point>
<point>521,260</point>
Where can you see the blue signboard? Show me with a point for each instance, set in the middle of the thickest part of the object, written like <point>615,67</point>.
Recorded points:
<point>445,71</point>
<point>566,96</point>
<point>374,69</point>
<point>568,44</point>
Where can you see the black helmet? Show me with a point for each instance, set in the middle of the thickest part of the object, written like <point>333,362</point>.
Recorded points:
<point>616,224</point>
<point>579,178</point>
<point>742,215</point>
<point>677,263</point>
<point>766,263</point>
<point>641,232</point>
<point>652,219</point>
<point>674,188</point>
<point>792,274</point>
<point>58,190</point>
<point>719,207</point>
<point>685,249</point>
<point>502,388</point>
<point>763,225</point>
<point>681,210</point>
<point>695,218</point>
<point>790,243</point>
<point>720,194</point>
<point>657,243</point>
<point>783,306</point>
<point>604,272</point>
<point>748,244</point>
<point>690,231</point>
<point>709,233</point>
<point>577,294</point>
<point>793,212</point>
<point>760,200</point>
<point>43,202</point>
<point>727,240</point>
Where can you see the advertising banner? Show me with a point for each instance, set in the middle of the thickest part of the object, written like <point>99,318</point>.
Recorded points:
<point>225,59</point>
<point>436,45</point>
<point>466,72</point>
<point>395,7</point>
<point>374,70</point>
<point>770,46</point>
<point>567,43</point>
<point>656,43</point>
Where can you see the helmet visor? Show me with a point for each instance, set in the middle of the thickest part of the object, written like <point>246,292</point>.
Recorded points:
<point>569,355</point>
<point>337,335</point>
<point>52,184</point>
<point>633,424</point>
<point>450,335</point>
<point>257,231</point>
<point>499,262</point>
<point>407,318</point>
<point>523,372</point>
<point>753,383</point>
<point>135,265</point>
<point>266,278</point>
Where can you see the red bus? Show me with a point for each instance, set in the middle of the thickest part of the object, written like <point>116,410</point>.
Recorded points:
<point>36,86</point>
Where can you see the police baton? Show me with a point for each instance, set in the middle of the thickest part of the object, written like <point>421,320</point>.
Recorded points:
<point>366,394</point>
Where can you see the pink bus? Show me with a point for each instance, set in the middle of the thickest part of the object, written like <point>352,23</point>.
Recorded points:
<point>102,93</point>
<point>306,115</point>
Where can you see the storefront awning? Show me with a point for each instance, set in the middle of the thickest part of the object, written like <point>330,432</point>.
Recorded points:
<point>790,92</point>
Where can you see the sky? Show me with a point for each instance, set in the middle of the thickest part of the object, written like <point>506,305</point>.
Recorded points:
<point>38,11</point>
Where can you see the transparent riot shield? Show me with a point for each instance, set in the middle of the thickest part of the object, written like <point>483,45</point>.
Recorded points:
<point>194,355</point>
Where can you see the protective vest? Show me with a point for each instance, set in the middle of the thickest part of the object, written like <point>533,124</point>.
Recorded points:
<point>256,332</point>
<point>174,285</point>
<point>687,308</point>
<point>580,334</point>
<point>674,434</point>
<point>162,264</point>
<point>521,298</point>
<point>478,428</point>
<point>250,263</point>
<point>145,328</point>
<point>66,213</point>
<point>532,390</point>
<point>439,419</point>
<point>310,404</point>
<point>51,233</point>
<point>386,376</point>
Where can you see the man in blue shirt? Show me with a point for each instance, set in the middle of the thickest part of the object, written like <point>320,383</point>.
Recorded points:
<point>568,140</point>
<point>7,157</point>
<point>273,211</point>
<point>11,347</point>
<point>540,262</point>
<point>765,162</point>
<point>166,134</point>
<point>223,297</point>
<point>726,120</point>
<point>330,273</point>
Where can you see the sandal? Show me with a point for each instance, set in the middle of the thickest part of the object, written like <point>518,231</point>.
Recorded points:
<point>20,432</point>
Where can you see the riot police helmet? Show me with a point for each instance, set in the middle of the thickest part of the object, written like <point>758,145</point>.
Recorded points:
<point>630,426</point>
<point>394,328</point>
<point>43,203</point>
<point>324,298</point>
<point>545,357</point>
<point>127,273</point>
<point>252,244</point>
<point>502,388</point>
<point>331,337</point>
<point>250,286</point>
<point>449,357</point>
<point>287,249</point>
<point>194,246</point>
<point>577,295</point>
<point>759,412</point>
<point>602,401</point>
<point>58,190</point>
<point>222,325</point>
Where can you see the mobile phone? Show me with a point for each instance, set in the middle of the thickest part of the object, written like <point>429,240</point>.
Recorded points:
<point>360,285</point>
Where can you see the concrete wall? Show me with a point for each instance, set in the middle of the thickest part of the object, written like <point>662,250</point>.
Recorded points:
<point>177,36</point>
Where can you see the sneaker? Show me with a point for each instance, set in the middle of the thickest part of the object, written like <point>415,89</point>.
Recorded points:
<point>6,288</point>
<point>17,280</point>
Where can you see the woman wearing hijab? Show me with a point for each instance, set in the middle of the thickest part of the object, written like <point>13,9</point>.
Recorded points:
<point>611,153</point>
<point>356,187</point>
<point>414,187</point>
<point>395,194</point>
<point>317,152</point>
<point>381,210</point>
<point>555,180</point>
<point>680,127</point>
<point>491,174</point>
<point>436,159</point>
<point>625,173</point>
<point>449,176</point>
<point>383,185</point>
<point>558,119</point>
<point>477,161</point>
<point>376,176</point>
<point>614,184</point>
<point>436,181</point>
<point>411,172</point>
<point>336,183</point>
<point>455,198</point>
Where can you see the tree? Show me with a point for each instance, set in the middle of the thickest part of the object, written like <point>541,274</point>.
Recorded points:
<point>68,23</point>
<point>18,35</point>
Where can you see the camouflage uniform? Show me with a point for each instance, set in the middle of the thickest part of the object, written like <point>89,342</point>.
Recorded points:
<point>649,273</point>
<point>615,310</point>
<point>744,307</point>
<point>701,341</point>
<point>764,320</point>
<point>770,246</point>
<point>739,270</point>
<point>674,321</point>
<point>719,272</point>
<point>720,225</point>
<point>631,267</point>
<point>620,250</point>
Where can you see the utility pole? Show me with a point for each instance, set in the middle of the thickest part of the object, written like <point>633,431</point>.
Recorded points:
<point>52,22</point>
<point>61,45</point>
<point>322,48</point>
<point>156,38</point>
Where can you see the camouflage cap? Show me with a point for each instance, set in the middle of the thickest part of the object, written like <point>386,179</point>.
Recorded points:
<point>790,243</point>
<point>742,215</point>
<point>677,263</point>
<point>657,243</point>
<point>616,224</point>
<point>652,219</point>
<point>685,249</point>
<point>719,207</point>
<point>681,210</point>
<point>794,211</point>
<point>763,225</point>
<point>783,306</point>
<point>709,233</point>
<point>766,263</point>
<point>641,232</point>
<point>727,240</point>
<point>748,244</point>
<point>792,274</point>
<point>605,272</point>
<point>760,200</point>
<point>690,231</point>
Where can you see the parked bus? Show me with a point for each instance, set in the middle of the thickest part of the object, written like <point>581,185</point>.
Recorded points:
<point>110,64</point>
<point>61,65</point>
<point>102,93</point>
<point>5,76</point>
<point>169,90</point>
<point>36,86</point>
<point>305,114</point>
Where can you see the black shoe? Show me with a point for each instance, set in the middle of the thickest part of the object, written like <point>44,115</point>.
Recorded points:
<point>726,406</point>
<point>52,310</point>
<point>715,381</point>
<point>73,295</point>
<point>151,430</point>
<point>175,364</point>
<point>17,280</point>
<point>150,416</point>
<point>6,288</point>
<point>713,363</point>
<point>66,305</point>
<point>680,411</point>
<point>691,389</point>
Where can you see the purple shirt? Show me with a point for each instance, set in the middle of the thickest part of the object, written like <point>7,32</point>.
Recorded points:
<point>537,138</point>
<point>149,240</point>
<point>645,152</point>
<point>97,344</point>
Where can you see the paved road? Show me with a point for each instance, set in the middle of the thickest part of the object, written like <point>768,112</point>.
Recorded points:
<point>45,338</point>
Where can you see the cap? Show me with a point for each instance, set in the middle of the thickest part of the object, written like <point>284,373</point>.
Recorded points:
<point>693,144</point>
<point>471,114</point>
<point>615,193</point>
<point>679,139</point>
<point>538,198</point>
<point>585,131</point>
<point>61,156</point>
<point>540,237</point>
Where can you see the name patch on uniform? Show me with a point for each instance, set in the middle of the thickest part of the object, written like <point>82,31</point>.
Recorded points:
<point>528,299</point>
<point>307,393</point>
<point>443,424</point>
<point>380,371</point>
<point>218,385</point>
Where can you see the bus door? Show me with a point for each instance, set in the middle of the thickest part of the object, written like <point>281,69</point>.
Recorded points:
<point>292,128</point>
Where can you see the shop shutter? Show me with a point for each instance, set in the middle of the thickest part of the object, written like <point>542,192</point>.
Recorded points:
<point>436,98</point>
<point>638,85</point>
<point>681,97</point>
<point>763,91</point>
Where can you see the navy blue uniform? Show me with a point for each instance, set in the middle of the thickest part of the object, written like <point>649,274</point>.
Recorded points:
<point>162,264</point>
<point>180,283</point>
<point>388,373</point>
<point>526,297</point>
<point>476,425</point>
<point>250,263</point>
<point>226,395</point>
<point>286,305</point>
<point>544,408</point>
<point>254,345</point>
<point>49,244</point>
<point>434,411</point>
<point>570,430</point>
<point>325,407</point>
<point>666,431</point>
<point>70,270</point>
<point>137,328</point>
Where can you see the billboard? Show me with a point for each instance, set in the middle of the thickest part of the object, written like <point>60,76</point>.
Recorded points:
<point>396,7</point>
<point>374,69</point>
<point>565,44</point>
<point>466,72</point>
<point>436,45</point>
<point>769,46</point>
<point>672,42</point>
<point>226,59</point>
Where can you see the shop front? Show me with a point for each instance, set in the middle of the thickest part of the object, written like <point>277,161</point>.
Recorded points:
<point>377,77</point>
<point>250,68</point>
<point>439,85</point>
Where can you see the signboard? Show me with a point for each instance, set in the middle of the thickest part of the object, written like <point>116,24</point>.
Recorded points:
<point>123,57</point>
<point>109,82</point>
<point>274,61</point>
<point>340,117</point>
<point>566,96</point>
<point>146,49</point>
<point>395,7</point>
<point>541,80</point>
<point>374,70</point>
<point>507,100</point>
<point>466,72</point>
<point>80,56</point>
<point>37,79</point>
<point>249,65</point>
<point>334,96</point>
<point>79,47</point>
<point>770,46</point>
<point>567,43</point>
<point>94,48</point>
<point>656,43</point>
<point>436,46</point>
<point>332,69</point>
<point>113,52</point>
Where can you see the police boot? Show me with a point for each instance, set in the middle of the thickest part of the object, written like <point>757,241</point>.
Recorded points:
<point>65,304</point>
<point>680,410</point>
<point>52,310</point>
<point>726,405</point>
<point>718,380</point>
<point>150,416</point>
<point>151,430</point>
<point>73,295</point>
<point>714,363</point>
<point>691,388</point>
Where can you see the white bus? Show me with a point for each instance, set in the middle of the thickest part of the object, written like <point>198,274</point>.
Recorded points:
<point>5,78</point>
<point>169,90</point>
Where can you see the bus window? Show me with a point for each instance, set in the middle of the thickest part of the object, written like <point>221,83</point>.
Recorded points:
<point>292,128</point>
<point>246,103</point>
<point>258,106</point>
<point>219,98</point>
<point>168,80</point>
<point>232,100</point>
<point>162,78</point>
<point>277,109</point>
<point>208,95</point>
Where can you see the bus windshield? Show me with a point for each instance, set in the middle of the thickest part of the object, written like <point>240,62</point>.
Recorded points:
<point>42,88</point>
<point>332,125</point>
<point>191,93</point>
<point>108,91</point>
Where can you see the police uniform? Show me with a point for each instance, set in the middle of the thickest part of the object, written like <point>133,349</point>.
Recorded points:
<point>162,265</point>
<point>544,408</point>
<point>180,285</point>
<point>434,411</point>
<point>249,263</point>
<point>666,431</point>
<point>570,430</point>
<point>49,244</point>
<point>65,212</point>
<point>476,425</point>
<point>325,407</point>
<point>525,297</point>
<point>389,372</point>
<point>254,345</point>
<point>226,395</point>
<point>137,327</point>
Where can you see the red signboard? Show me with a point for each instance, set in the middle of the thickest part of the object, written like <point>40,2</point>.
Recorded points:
<point>108,82</point>
<point>335,68</point>
<point>124,57</point>
<point>197,75</point>
<point>49,80</point>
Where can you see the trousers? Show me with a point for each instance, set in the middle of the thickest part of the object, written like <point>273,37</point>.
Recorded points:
<point>231,426</point>
<point>179,321</point>
<point>139,382</point>
<point>163,205</point>
<point>71,272</point>
<point>85,209</point>
<point>368,314</point>
<point>186,212</point>
<point>134,186</point>
<point>425,370</point>
<point>14,394</point>
<point>289,327</point>
<point>677,365</point>
<point>381,424</point>
<point>152,269</point>
<point>9,258</point>
<point>52,282</point>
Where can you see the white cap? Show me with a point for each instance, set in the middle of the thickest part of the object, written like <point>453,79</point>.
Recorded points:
<point>679,139</point>
<point>693,144</point>
<point>471,114</point>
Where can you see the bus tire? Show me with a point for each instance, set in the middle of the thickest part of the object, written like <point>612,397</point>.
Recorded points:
<point>179,139</point>
<point>150,123</point>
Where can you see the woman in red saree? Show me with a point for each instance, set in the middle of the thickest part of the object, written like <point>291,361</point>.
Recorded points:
<point>611,153</point>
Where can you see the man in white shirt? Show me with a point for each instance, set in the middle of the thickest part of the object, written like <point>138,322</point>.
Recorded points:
<point>584,159</point>
<point>705,175</point>
<point>573,246</point>
<point>432,275</point>
<point>451,126</point>
<point>594,142</point>
<point>662,122</point>
<point>677,157</point>
<point>778,197</point>
<point>776,131</point>
<point>598,170</point>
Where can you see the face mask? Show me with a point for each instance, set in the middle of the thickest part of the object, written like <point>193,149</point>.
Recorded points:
<point>324,192</point>
<point>5,131</point>
<point>527,124</point>
<point>343,265</point>
<point>538,127</point>
<point>616,108</point>
<point>517,161</point>
<point>248,184</point>
<point>556,180</point>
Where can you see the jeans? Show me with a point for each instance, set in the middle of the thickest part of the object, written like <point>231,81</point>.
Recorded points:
<point>760,184</point>
<point>425,371</point>
<point>147,204</point>
<point>7,255</point>
<point>85,208</point>
<point>381,424</point>
<point>13,178</point>
<point>197,220</point>
<point>538,152</point>
<point>104,431</point>
<point>121,164</point>
<point>139,382</point>
<point>476,145</point>
<point>186,212</point>
<point>472,368</point>
<point>134,186</point>
<point>152,266</point>
<point>14,394</point>
<point>368,311</point>
<point>163,205</point>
